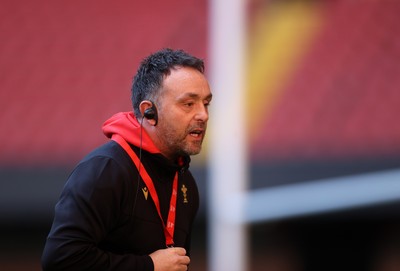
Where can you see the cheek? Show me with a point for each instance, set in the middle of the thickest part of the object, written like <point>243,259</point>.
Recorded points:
<point>173,127</point>
<point>177,122</point>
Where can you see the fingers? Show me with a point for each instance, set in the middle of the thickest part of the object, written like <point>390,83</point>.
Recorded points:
<point>170,259</point>
<point>185,260</point>
<point>179,250</point>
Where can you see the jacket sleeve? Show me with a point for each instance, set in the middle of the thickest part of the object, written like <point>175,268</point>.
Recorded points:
<point>88,208</point>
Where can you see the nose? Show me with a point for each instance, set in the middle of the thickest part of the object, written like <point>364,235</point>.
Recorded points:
<point>202,113</point>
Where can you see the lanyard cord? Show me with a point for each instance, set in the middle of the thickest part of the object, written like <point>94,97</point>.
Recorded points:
<point>169,228</point>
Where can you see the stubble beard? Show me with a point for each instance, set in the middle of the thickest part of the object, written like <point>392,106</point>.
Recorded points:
<point>179,145</point>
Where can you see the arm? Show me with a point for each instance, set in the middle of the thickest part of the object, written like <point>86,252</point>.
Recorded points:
<point>88,209</point>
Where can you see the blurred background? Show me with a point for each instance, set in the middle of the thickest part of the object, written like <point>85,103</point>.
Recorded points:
<point>323,102</point>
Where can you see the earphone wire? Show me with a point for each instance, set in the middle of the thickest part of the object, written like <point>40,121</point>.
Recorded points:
<point>140,164</point>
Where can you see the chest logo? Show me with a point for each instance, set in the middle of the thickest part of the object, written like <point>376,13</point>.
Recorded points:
<point>145,192</point>
<point>184,190</point>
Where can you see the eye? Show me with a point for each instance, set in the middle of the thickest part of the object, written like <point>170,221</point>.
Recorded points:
<point>188,104</point>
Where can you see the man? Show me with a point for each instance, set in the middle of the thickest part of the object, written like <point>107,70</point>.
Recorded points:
<point>130,204</point>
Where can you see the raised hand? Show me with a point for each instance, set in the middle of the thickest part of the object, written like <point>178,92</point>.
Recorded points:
<point>170,259</point>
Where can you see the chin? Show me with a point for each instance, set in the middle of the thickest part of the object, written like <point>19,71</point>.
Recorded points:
<point>194,152</point>
<point>192,148</point>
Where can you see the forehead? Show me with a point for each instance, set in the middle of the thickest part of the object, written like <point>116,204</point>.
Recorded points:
<point>185,81</point>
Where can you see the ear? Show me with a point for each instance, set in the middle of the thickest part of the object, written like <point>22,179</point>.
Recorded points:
<point>144,108</point>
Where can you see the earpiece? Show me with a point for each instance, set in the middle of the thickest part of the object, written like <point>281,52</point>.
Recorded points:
<point>151,113</point>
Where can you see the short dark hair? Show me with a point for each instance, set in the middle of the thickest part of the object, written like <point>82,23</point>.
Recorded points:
<point>151,72</point>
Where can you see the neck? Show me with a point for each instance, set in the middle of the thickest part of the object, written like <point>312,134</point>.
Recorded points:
<point>158,142</point>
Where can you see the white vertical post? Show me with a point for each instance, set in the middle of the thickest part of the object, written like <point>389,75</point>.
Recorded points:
<point>228,159</point>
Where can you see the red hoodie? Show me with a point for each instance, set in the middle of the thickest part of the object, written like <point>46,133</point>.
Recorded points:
<point>127,126</point>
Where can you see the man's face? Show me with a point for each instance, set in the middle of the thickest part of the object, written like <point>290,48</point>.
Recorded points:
<point>182,112</point>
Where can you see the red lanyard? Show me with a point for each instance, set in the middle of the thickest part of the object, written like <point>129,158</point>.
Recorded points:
<point>170,226</point>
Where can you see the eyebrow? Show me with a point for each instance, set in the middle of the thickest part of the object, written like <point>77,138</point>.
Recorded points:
<point>194,95</point>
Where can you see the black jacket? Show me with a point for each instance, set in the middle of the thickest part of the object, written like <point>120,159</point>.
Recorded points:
<point>103,220</point>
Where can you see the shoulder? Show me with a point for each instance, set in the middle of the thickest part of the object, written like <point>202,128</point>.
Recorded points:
<point>107,165</point>
<point>110,150</point>
<point>189,179</point>
<point>109,155</point>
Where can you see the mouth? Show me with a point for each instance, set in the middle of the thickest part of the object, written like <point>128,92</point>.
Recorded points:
<point>197,133</point>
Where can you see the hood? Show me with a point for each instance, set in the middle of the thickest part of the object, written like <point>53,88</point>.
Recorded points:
<point>127,126</point>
